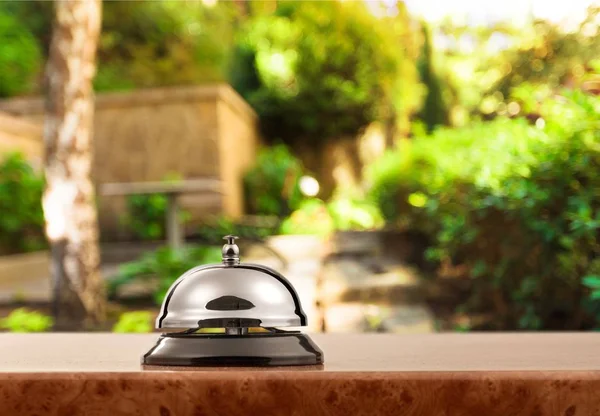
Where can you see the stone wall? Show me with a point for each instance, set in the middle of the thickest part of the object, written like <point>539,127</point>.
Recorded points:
<point>238,146</point>
<point>147,135</point>
<point>23,136</point>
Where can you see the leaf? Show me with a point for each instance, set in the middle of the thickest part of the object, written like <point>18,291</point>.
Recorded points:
<point>479,269</point>
<point>417,199</point>
<point>592,281</point>
<point>134,322</point>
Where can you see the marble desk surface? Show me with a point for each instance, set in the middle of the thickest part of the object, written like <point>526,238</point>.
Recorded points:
<point>372,374</point>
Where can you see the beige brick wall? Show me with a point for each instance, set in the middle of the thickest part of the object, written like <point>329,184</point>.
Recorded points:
<point>206,131</point>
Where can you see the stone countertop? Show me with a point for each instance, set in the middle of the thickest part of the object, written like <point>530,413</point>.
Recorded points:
<point>430,374</point>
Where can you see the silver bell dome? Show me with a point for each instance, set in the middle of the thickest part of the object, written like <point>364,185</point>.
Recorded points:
<point>231,295</point>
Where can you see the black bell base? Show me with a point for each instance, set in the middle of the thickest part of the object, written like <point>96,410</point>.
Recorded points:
<point>216,350</point>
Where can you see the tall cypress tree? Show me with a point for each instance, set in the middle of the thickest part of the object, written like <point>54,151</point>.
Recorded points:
<point>434,112</point>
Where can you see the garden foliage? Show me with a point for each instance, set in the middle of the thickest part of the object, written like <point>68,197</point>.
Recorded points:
<point>314,216</point>
<point>20,56</point>
<point>162,43</point>
<point>272,184</point>
<point>146,216</point>
<point>21,215</point>
<point>146,213</point>
<point>134,322</point>
<point>316,70</point>
<point>25,320</point>
<point>519,205</point>
<point>142,44</point>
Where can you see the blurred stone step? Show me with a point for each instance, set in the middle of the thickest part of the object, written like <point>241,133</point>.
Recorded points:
<point>354,243</point>
<point>360,317</point>
<point>293,248</point>
<point>347,280</point>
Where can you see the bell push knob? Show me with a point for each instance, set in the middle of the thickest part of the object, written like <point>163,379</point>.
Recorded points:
<point>230,252</point>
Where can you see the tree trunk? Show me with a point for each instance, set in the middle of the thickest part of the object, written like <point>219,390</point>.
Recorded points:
<point>69,205</point>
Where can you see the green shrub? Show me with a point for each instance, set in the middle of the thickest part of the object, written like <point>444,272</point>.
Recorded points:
<point>21,215</point>
<point>25,320</point>
<point>161,43</point>
<point>316,217</point>
<point>311,217</point>
<point>20,56</point>
<point>315,70</point>
<point>546,54</point>
<point>518,205</point>
<point>142,44</point>
<point>164,265</point>
<point>592,282</point>
<point>146,214</point>
<point>134,322</point>
<point>354,214</point>
<point>271,186</point>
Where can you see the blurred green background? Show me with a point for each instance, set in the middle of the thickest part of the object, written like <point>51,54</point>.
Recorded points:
<point>474,131</point>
